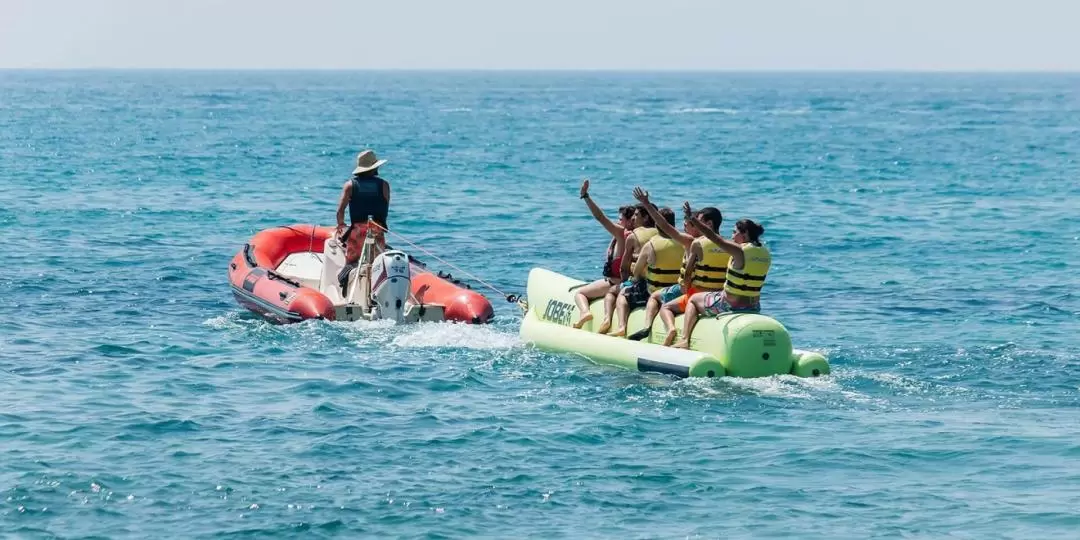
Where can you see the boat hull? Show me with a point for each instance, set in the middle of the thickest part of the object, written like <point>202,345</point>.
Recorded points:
<point>258,287</point>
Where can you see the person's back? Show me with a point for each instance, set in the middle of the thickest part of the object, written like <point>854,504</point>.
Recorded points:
<point>711,270</point>
<point>367,199</point>
<point>666,260</point>
<point>743,286</point>
<point>366,194</point>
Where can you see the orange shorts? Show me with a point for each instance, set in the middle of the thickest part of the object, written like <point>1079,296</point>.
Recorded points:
<point>685,299</point>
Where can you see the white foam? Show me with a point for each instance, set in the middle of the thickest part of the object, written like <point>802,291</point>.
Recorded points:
<point>789,112</point>
<point>456,335</point>
<point>218,323</point>
<point>776,386</point>
<point>367,333</point>
<point>230,321</point>
<point>705,110</point>
<point>363,325</point>
<point>898,382</point>
<point>620,110</point>
<point>783,386</point>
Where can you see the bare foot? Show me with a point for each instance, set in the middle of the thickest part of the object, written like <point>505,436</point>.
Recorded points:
<point>670,338</point>
<point>583,321</point>
<point>604,327</point>
<point>619,332</point>
<point>682,345</point>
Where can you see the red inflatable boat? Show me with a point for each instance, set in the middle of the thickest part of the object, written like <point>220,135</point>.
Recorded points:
<point>277,275</point>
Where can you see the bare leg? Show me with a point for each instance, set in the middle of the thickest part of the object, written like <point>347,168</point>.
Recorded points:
<point>591,291</point>
<point>694,306</point>
<point>651,308</point>
<point>622,312</point>
<point>609,308</point>
<point>667,314</point>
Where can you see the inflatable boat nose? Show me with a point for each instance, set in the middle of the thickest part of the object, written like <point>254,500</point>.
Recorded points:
<point>311,304</point>
<point>469,307</point>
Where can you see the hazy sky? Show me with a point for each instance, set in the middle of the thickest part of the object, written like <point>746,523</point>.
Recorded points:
<point>543,34</point>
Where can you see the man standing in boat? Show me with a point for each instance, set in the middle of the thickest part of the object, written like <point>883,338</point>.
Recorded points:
<point>367,196</point>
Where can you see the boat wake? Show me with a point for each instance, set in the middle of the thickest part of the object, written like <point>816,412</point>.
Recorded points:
<point>457,336</point>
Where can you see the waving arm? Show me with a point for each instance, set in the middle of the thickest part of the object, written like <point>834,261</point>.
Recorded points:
<point>691,266</point>
<point>597,213</point>
<point>733,249</point>
<point>661,223</point>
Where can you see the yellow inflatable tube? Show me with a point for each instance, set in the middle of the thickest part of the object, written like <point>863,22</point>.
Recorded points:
<point>734,344</point>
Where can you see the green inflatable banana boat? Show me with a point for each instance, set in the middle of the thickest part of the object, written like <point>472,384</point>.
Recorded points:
<point>733,344</point>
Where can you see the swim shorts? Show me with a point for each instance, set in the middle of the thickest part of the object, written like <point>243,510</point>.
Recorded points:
<point>636,292</point>
<point>716,303</point>
<point>668,294</point>
<point>685,299</point>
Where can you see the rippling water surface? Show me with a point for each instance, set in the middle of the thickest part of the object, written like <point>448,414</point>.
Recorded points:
<point>924,228</point>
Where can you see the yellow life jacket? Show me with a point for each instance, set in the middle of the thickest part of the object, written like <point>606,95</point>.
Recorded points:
<point>685,259</point>
<point>664,271</point>
<point>748,280</point>
<point>711,269</point>
<point>643,235</point>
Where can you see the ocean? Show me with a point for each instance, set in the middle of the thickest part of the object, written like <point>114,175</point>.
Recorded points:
<point>925,231</point>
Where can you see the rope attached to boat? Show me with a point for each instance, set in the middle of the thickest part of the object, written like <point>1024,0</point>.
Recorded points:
<point>512,298</point>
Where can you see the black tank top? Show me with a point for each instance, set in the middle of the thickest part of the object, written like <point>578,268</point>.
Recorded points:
<point>367,199</point>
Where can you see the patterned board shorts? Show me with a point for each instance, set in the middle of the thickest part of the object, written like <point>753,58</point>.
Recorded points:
<point>668,294</point>
<point>636,292</point>
<point>717,303</point>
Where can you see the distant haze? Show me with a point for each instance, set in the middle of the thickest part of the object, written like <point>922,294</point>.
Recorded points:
<point>923,35</point>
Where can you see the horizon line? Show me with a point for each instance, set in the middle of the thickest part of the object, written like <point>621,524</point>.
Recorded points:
<point>779,71</point>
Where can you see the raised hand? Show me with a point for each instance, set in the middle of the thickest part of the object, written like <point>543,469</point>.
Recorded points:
<point>686,209</point>
<point>585,188</point>
<point>641,195</point>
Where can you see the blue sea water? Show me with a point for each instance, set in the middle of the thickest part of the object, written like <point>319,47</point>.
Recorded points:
<point>925,231</point>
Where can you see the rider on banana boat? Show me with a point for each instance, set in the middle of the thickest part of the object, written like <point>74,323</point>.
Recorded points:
<point>750,262</point>
<point>666,294</point>
<point>643,229</point>
<point>706,270</point>
<point>656,267</point>
<point>612,261</point>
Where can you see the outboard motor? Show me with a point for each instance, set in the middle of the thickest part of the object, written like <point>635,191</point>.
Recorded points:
<point>390,284</point>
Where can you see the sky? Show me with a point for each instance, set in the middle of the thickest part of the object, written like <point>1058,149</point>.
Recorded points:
<point>766,35</point>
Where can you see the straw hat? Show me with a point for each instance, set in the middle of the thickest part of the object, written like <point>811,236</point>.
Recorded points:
<point>366,161</point>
